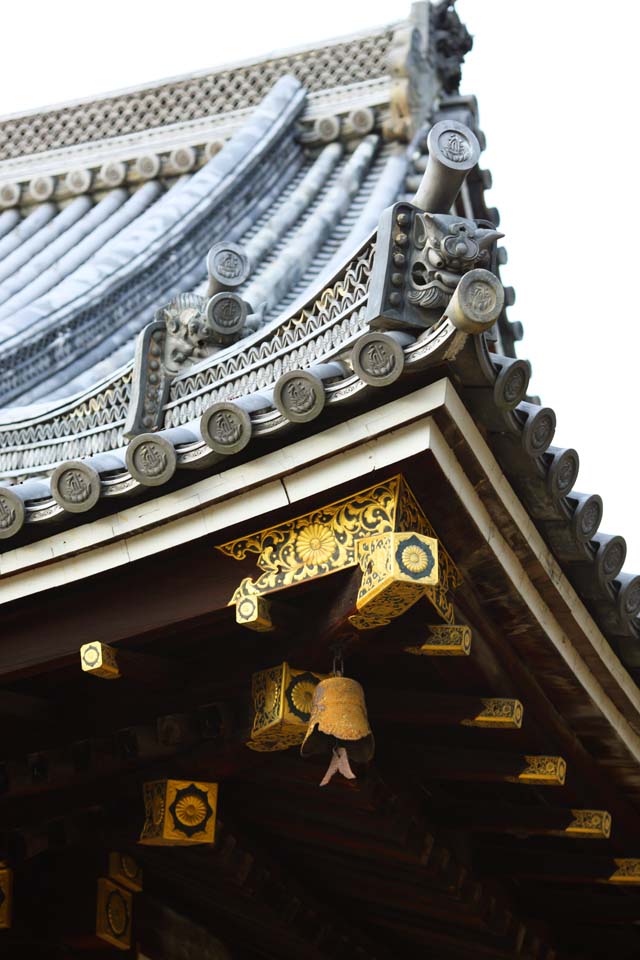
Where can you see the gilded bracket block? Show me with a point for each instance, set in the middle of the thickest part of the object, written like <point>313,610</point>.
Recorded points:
<point>282,699</point>
<point>444,640</point>
<point>590,824</point>
<point>542,771</point>
<point>396,569</point>
<point>498,712</point>
<point>114,914</point>
<point>126,871</point>
<point>179,813</point>
<point>325,541</point>
<point>99,660</point>
<point>6,897</point>
<point>254,612</point>
<point>627,871</point>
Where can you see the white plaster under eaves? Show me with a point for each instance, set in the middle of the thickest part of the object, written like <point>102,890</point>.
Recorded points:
<point>372,441</point>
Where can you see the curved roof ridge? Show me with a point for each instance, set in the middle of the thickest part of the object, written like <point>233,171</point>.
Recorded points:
<point>279,53</point>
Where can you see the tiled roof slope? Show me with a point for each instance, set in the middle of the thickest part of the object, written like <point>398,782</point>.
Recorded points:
<point>78,283</point>
<point>298,173</point>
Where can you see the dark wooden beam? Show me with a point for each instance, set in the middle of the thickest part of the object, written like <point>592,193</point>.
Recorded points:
<point>153,596</point>
<point>23,706</point>
<point>204,761</point>
<point>591,786</point>
<point>527,821</point>
<point>164,932</point>
<point>426,708</point>
<point>328,625</point>
<point>478,917</point>
<point>557,867</point>
<point>94,759</point>
<point>257,899</point>
<point>490,767</point>
<point>373,847</point>
<point>339,839</point>
<point>143,669</point>
<point>592,907</point>
<point>602,942</point>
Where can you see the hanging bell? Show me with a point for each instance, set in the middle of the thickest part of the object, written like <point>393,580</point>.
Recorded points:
<point>339,725</point>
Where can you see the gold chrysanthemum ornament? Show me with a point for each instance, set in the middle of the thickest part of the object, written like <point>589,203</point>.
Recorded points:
<point>191,810</point>
<point>415,558</point>
<point>315,544</point>
<point>302,696</point>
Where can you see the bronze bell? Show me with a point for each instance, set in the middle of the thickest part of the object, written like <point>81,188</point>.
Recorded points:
<point>339,720</point>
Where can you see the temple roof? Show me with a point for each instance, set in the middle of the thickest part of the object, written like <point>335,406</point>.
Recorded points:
<point>286,165</point>
<point>262,416</point>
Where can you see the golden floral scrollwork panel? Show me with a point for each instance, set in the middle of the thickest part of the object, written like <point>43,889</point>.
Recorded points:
<point>328,539</point>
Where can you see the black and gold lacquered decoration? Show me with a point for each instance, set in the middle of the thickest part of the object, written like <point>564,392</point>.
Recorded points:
<point>339,726</point>
<point>444,640</point>
<point>282,698</point>
<point>329,539</point>
<point>191,811</point>
<point>6,896</point>
<point>254,612</point>
<point>99,659</point>
<point>114,914</point>
<point>179,812</point>
<point>396,568</point>
<point>126,871</point>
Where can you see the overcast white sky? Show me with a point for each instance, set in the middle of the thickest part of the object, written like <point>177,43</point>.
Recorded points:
<point>557,84</point>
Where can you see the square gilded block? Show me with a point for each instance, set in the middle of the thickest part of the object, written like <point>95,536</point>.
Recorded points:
<point>113,915</point>
<point>282,698</point>
<point>179,812</point>
<point>99,659</point>
<point>126,871</point>
<point>6,897</point>
<point>254,612</point>
<point>396,570</point>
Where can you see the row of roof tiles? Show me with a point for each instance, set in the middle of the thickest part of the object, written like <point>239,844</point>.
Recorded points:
<point>61,328</point>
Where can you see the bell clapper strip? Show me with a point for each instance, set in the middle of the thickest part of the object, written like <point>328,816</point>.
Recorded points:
<point>338,722</point>
<point>339,764</point>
